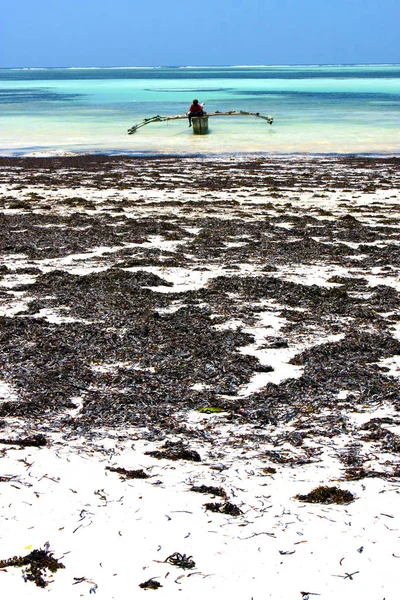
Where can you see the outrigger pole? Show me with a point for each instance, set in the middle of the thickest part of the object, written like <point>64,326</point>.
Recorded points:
<point>217,113</point>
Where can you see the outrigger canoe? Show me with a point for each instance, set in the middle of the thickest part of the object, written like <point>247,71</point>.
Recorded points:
<point>200,124</point>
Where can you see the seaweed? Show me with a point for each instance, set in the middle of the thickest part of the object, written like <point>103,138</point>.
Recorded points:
<point>175,455</point>
<point>37,563</point>
<point>175,451</point>
<point>137,354</point>
<point>34,440</point>
<point>269,470</point>
<point>133,474</point>
<point>209,489</point>
<point>327,495</point>
<point>226,508</point>
<point>150,584</point>
<point>181,560</point>
<point>357,473</point>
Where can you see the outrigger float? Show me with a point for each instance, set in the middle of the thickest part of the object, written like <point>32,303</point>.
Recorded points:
<point>200,124</point>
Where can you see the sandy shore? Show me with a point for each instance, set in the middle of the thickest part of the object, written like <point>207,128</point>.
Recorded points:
<point>189,347</point>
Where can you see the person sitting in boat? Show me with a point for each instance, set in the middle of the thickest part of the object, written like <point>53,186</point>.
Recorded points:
<point>196,110</point>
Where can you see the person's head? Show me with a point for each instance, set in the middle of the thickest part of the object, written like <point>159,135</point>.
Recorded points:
<point>195,101</point>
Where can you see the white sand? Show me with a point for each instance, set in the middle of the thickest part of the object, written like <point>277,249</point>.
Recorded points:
<point>116,534</point>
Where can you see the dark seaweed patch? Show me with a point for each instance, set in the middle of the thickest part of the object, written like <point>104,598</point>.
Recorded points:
<point>175,451</point>
<point>156,354</point>
<point>226,508</point>
<point>357,473</point>
<point>36,564</point>
<point>209,489</point>
<point>269,470</point>
<point>181,560</point>
<point>35,440</point>
<point>150,584</point>
<point>326,495</point>
<point>129,474</point>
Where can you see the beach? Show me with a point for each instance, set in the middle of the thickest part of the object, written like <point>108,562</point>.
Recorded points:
<point>199,376</point>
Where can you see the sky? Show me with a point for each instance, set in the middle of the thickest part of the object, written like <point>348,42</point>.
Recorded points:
<point>51,33</point>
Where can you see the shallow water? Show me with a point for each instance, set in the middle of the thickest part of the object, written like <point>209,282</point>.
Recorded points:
<point>317,109</point>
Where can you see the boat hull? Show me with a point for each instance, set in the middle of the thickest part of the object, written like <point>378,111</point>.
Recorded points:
<point>200,125</point>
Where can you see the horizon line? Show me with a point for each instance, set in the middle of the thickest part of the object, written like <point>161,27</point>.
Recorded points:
<point>222,66</point>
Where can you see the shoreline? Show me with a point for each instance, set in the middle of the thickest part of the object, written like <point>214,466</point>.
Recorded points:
<point>167,325</point>
<point>210,155</point>
<point>205,159</point>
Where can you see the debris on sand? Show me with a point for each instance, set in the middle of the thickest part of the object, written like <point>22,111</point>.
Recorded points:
<point>181,560</point>
<point>326,495</point>
<point>175,451</point>
<point>226,508</point>
<point>34,440</point>
<point>150,584</point>
<point>129,474</point>
<point>238,319</point>
<point>36,564</point>
<point>209,489</point>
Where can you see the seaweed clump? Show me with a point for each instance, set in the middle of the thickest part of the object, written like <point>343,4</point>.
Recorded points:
<point>357,473</point>
<point>35,440</point>
<point>150,584</point>
<point>133,474</point>
<point>181,560</point>
<point>208,489</point>
<point>36,563</point>
<point>269,470</point>
<point>175,451</point>
<point>325,494</point>
<point>226,508</point>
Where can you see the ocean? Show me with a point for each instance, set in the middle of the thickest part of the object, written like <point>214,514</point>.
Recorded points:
<point>336,109</point>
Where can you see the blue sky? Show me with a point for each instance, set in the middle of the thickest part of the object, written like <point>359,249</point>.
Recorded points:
<point>223,32</point>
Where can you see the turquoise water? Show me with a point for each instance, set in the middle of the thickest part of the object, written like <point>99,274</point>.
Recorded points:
<point>317,109</point>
